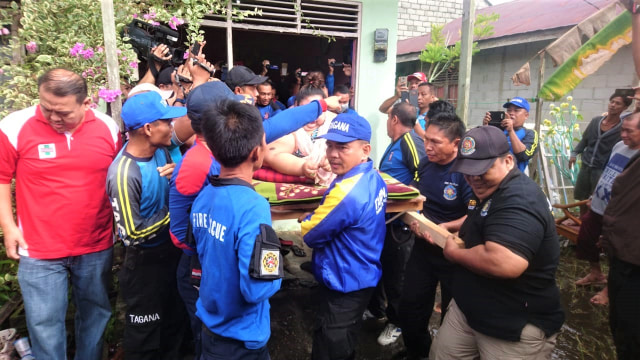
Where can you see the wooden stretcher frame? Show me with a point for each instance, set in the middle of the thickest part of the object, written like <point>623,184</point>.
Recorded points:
<point>294,211</point>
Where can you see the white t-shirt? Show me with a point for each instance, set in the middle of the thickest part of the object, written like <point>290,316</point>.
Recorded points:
<point>619,158</point>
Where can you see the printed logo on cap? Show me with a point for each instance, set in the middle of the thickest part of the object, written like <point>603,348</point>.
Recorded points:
<point>339,125</point>
<point>468,146</point>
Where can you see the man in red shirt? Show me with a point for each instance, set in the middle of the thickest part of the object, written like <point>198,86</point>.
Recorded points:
<point>59,152</point>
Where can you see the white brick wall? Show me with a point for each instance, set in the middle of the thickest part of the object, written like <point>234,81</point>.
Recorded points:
<point>423,13</point>
<point>418,15</point>
<point>491,86</point>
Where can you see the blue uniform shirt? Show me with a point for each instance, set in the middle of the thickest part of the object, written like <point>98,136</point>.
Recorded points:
<point>231,303</point>
<point>447,192</point>
<point>402,157</point>
<point>140,197</point>
<point>268,111</point>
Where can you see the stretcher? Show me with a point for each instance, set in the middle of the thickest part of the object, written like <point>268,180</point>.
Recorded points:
<point>292,200</point>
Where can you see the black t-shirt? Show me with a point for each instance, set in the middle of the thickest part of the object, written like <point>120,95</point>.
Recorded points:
<point>516,216</point>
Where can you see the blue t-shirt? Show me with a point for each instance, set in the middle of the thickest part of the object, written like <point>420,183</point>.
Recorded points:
<point>421,119</point>
<point>267,111</point>
<point>402,157</point>
<point>232,303</point>
<point>447,192</point>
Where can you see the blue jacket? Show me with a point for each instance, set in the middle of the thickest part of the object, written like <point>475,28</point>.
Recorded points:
<point>231,303</point>
<point>347,230</point>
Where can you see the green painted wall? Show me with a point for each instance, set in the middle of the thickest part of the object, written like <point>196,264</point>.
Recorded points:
<point>376,81</point>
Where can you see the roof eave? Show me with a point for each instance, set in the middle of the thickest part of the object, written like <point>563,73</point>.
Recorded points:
<point>523,38</point>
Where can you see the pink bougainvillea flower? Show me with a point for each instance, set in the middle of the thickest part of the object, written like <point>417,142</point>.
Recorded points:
<point>135,16</point>
<point>99,49</point>
<point>109,95</point>
<point>124,58</point>
<point>87,53</point>
<point>186,55</point>
<point>32,47</point>
<point>152,14</point>
<point>175,22</point>
<point>155,23</point>
<point>76,49</point>
<point>146,16</point>
<point>133,64</point>
<point>1,71</point>
<point>4,31</point>
<point>118,51</point>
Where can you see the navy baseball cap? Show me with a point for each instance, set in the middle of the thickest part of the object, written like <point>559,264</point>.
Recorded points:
<point>519,102</point>
<point>346,128</point>
<point>241,75</point>
<point>201,98</point>
<point>146,108</point>
<point>479,149</point>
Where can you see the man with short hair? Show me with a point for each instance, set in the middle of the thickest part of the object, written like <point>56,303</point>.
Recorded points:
<point>400,160</point>
<point>413,81</point>
<point>241,80</point>
<point>138,187</point>
<point>620,239</point>
<point>447,195</point>
<point>346,233</point>
<point>506,303</point>
<point>342,92</point>
<point>263,100</point>
<point>59,152</point>
<point>591,227</point>
<point>426,95</point>
<point>523,142</point>
<point>238,249</point>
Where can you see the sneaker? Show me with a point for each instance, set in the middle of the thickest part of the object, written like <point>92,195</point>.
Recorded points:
<point>367,315</point>
<point>389,335</point>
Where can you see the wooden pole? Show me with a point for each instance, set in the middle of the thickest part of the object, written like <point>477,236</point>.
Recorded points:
<point>229,38</point>
<point>533,164</point>
<point>113,69</point>
<point>466,45</point>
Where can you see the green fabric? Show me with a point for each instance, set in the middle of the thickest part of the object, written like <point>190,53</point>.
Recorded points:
<point>601,46</point>
<point>285,193</point>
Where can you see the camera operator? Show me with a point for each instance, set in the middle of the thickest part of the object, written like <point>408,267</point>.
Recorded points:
<point>523,143</point>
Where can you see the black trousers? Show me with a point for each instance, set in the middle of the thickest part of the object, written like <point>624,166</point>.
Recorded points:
<point>425,268</point>
<point>624,309</point>
<point>338,321</point>
<point>395,254</point>
<point>155,317</point>
<point>216,347</point>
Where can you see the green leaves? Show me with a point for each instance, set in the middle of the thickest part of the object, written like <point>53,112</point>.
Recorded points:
<point>441,57</point>
<point>56,26</point>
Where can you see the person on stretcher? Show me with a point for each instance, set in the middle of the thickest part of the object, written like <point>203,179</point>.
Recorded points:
<point>302,153</point>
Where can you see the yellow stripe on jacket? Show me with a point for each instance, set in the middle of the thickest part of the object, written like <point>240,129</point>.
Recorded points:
<point>332,199</point>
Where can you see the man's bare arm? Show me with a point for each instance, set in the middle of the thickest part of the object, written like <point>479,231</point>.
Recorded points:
<point>12,234</point>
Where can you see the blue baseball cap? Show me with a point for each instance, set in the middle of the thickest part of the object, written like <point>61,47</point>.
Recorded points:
<point>201,98</point>
<point>348,127</point>
<point>519,102</point>
<point>146,108</point>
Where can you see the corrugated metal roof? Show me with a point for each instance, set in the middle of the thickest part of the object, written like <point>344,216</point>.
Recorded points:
<point>518,17</point>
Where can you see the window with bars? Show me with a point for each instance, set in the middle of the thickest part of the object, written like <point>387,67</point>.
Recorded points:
<point>327,17</point>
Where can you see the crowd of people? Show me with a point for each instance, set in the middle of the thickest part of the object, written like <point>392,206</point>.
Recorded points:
<point>202,258</point>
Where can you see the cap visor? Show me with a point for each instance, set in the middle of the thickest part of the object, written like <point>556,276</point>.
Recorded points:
<point>174,112</point>
<point>472,166</point>
<point>257,80</point>
<point>337,137</point>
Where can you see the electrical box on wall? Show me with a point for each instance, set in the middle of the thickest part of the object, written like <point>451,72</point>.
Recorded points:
<point>380,45</point>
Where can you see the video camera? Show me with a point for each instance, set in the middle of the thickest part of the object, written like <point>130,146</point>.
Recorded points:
<point>143,37</point>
